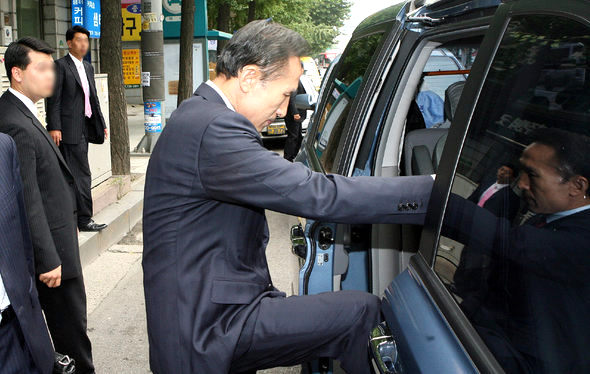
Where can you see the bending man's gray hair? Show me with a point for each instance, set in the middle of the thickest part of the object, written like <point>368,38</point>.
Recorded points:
<point>265,44</point>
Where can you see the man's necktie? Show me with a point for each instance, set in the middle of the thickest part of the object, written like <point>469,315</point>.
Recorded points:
<point>537,220</point>
<point>486,196</point>
<point>541,222</point>
<point>86,89</point>
<point>87,108</point>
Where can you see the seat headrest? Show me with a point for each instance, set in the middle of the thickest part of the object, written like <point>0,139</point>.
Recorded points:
<point>452,96</point>
<point>438,150</point>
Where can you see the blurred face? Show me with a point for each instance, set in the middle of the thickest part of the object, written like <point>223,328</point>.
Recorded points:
<point>37,80</point>
<point>505,175</point>
<point>545,191</point>
<point>79,45</point>
<point>263,101</point>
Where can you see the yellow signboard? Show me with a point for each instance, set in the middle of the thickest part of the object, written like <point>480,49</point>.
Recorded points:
<point>131,68</point>
<point>131,11</point>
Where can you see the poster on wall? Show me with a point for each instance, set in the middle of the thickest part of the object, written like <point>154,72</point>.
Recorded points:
<point>131,12</point>
<point>131,68</point>
<point>152,114</point>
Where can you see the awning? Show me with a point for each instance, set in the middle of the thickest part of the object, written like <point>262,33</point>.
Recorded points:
<point>218,35</point>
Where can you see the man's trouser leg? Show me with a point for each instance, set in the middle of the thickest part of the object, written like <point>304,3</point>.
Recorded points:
<point>293,141</point>
<point>65,312</point>
<point>298,329</point>
<point>15,357</point>
<point>76,156</point>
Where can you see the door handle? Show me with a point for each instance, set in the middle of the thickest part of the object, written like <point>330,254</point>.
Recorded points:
<point>384,351</point>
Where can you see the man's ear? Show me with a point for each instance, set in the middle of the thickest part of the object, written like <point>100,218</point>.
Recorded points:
<point>579,186</point>
<point>249,77</point>
<point>17,74</point>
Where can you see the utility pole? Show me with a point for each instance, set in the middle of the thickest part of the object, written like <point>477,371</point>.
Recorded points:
<point>152,73</point>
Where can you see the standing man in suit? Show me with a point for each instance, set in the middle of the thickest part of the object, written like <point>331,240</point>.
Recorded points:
<point>50,199</point>
<point>25,346</point>
<point>74,119</point>
<point>293,121</point>
<point>498,197</point>
<point>211,305</point>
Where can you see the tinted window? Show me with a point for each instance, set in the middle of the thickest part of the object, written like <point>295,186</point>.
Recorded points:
<point>352,68</point>
<point>515,250</point>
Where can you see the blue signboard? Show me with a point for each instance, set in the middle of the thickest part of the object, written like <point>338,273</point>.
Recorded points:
<point>78,12</point>
<point>86,13</point>
<point>171,12</point>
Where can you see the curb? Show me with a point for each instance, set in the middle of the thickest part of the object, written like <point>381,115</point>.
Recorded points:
<point>121,216</point>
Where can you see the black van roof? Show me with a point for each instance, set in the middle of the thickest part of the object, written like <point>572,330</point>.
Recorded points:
<point>409,10</point>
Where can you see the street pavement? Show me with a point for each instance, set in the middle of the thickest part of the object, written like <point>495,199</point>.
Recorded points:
<point>116,307</point>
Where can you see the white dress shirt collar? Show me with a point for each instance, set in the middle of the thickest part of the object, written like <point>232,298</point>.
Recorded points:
<point>79,64</point>
<point>220,93</point>
<point>499,186</point>
<point>4,300</point>
<point>28,102</point>
<point>555,216</point>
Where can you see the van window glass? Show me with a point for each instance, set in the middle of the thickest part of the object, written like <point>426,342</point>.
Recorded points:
<point>515,245</point>
<point>351,70</point>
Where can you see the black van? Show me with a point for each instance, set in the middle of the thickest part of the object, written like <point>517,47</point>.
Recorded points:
<point>481,287</point>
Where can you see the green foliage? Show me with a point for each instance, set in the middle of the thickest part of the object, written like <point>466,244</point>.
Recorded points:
<point>318,21</point>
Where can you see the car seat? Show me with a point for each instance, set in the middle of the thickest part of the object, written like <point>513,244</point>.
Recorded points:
<point>423,148</point>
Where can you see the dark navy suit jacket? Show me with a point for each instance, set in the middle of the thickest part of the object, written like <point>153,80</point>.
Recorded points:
<point>65,109</point>
<point>205,232</point>
<point>49,190</point>
<point>16,259</point>
<point>541,293</point>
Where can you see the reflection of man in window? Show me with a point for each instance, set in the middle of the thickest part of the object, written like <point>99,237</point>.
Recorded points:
<point>555,175</point>
<point>471,278</point>
<point>534,317</point>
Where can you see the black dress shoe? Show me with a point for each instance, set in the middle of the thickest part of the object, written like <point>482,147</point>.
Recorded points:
<point>93,226</point>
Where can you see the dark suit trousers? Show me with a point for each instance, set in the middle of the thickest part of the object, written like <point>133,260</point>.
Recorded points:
<point>65,312</point>
<point>297,329</point>
<point>76,156</point>
<point>294,138</point>
<point>14,354</point>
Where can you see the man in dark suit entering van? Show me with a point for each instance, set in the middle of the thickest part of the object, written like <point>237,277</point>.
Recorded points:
<point>211,304</point>
<point>74,119</point>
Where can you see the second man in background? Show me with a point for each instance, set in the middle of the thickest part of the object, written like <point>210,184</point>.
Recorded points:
<point>74,119</point>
